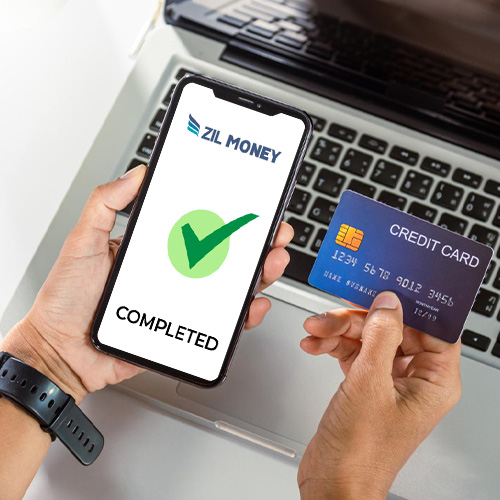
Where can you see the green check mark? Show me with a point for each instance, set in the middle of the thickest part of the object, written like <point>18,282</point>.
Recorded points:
<point>199,242</point>
<point>196,249</point>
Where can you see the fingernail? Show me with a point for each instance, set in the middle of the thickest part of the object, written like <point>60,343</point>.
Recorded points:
<point>131,172</point>
<point>318,316</point>
<point>386,300</point>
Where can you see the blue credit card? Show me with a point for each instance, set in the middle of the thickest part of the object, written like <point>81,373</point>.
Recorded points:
<point>371,247</point>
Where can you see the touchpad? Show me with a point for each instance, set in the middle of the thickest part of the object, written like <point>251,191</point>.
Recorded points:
<point>272,383</point>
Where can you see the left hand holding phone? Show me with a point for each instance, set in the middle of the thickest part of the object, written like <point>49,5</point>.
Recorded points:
<point>55,334</point>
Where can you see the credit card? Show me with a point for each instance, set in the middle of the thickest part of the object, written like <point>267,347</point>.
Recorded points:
<point>371,247</point>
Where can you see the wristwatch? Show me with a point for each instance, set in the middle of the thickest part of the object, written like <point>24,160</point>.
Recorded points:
<point>55,410</point>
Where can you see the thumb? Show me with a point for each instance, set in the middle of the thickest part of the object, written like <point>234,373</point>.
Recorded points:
<point>382,334</point>
<point>91,234</point>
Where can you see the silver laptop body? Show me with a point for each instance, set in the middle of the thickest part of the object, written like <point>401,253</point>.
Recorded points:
<point>275,394</point>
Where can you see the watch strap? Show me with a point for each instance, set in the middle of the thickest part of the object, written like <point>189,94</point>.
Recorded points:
<point>55,410</point>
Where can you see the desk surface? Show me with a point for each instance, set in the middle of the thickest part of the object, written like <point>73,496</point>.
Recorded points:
<point>65,73</point>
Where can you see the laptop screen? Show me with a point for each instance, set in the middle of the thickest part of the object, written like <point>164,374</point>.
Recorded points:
<point>464,30</point>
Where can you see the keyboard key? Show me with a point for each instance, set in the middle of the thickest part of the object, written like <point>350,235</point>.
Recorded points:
<point>302,231</point>
<point>467,178</point>
<point>483,235</point>
<point>322,210</point>
<point>155,125</point>
<point>496,281</point>
<point>386,173</point>
<point>320,49</point>
<point>298,201</point>
<point>135,163</point>
<point>329,182</point>
<point>492,187</point>
<point>393,200</point>
<point>437,167</point>
<point>300,265</point>
<point>289,26</point>
<point>362,188</point>
<point>486,302</point>
<point>306,171</point>
<point>263,28</point>
<point>373,144</point>
<point>417,184</point>
<point>475,340</point>
<point>356,162</point>
<point>447,196</point>
<point>295,37</point>
<point>496,219</point>
<point>404,155</point>
<point>306,24</point>
<point>280,10</point>
<point>288,41</point>
<point>302,6</point>
<point>489,272</point>
<point>326,151</point>
<point>478,207</point>
<point>147,145</point>
<point>422,211</point>
<point>318,123</point>
<point>254,13</point>
<point>182,73</point>
<point>453,223</point>
<point>235,19</point>
<point>318,240</point>
<point>168,97</point>
<point>341,132</point>
<point>496,349</point>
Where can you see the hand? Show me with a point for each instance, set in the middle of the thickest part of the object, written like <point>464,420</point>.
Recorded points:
<point>398,384</point>
<point>55,335</point>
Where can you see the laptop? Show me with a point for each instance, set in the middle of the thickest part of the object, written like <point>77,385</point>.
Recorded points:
<point>406,107</point>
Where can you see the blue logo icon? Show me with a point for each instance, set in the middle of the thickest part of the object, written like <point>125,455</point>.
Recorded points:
<point>193,125</point>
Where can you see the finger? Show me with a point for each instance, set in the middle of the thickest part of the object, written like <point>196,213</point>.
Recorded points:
<point>91,234</point>
<point>415,341</point>
<point>382,334</point>
<point>338,347</point>
<point>258,310</point>
<point>352,304</point>
<point>283,236</point>
<point>441,368</point>
<point>345,322</point>
<point>114,245</point>
<point>274,266</point>
<point>124,370</point>
<point>400,365</point>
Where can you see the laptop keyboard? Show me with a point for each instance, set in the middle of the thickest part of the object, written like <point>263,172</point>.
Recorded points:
<point>365,58</point>
<point>340,157</point>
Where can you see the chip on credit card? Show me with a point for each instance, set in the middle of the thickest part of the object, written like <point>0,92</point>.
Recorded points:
<point>371,247</point>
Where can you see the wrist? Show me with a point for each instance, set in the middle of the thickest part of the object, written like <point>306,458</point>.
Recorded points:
<point>344,480</point>
<point>353,489</point>
<point>26,343</point>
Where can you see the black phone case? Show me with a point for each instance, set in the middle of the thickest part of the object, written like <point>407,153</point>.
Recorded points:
<point>250,100</point>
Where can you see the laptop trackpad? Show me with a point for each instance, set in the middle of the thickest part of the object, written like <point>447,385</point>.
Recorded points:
<point>272,383</point>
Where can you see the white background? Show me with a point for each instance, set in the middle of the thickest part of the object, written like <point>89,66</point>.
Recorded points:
<point>195,174</point>
<point>59,80</point>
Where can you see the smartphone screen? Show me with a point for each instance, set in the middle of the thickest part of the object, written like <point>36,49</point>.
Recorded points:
<point>206,215</point>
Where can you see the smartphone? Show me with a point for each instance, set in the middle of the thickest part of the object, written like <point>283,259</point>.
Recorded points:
<point>219,179</point>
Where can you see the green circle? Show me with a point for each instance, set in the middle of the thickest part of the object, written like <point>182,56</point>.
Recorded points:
<point>203,222</point>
